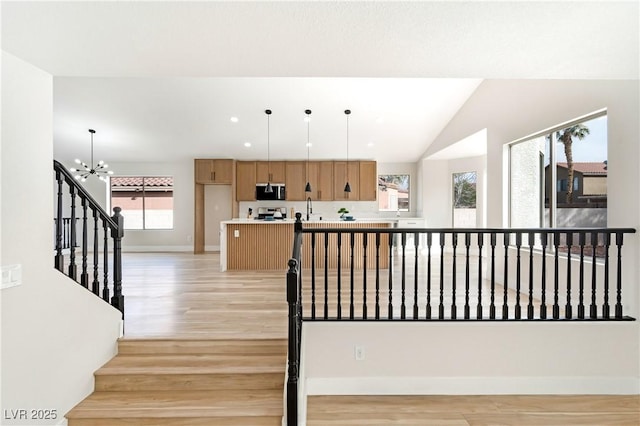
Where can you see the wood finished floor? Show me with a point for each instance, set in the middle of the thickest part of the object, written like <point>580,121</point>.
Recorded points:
<point>185,296</point>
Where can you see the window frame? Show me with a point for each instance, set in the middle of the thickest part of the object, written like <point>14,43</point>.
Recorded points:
<point>143,195</point>
<point>408,175</point>
<point>549,132</point>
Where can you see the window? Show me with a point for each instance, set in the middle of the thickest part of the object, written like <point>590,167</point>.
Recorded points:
<point>464,199</point>
<point>146,202</point>
<point>558,178</point>
<point>393,193</point>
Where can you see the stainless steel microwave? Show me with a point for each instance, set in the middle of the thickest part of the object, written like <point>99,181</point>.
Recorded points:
<point>277,194</point>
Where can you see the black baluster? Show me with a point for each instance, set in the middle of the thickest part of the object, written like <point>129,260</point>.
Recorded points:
<point>326,275</point>
<point>454,243</point>
<point>492,306</point>
<point>479,308</point>
<point>351,280</point>
<point>73,269</point>
<point>543,297</point>
<point>568,312</point>
<point>84,276</point>
<point>441,306</point>
<point>402,279</point>
<point>390,277</point>
<point>313,276</point>
<point>66,238</point>
<point>606,307</point>
<point>581,241</point>
<point>105,289</point>
<point>428,308</point>
<point>518,309</point>
<point>58,261</point>
<point>556,306</point>
<point>467,243</point>
<point>530,310</point>
<point>364,275</point>
<point>593,308</point>
<point>339,312</point>
<point>377,275</point>
<point>117,301</point>
<point>619,277</point>
<point>416,240</point>
<point>505,305</point>
<point>95,287</point>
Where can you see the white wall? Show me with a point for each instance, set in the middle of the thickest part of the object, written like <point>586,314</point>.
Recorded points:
<point>471,358</point>
<point>55,334</point>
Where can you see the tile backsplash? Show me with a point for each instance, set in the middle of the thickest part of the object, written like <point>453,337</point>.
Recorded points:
<point>328,210</point>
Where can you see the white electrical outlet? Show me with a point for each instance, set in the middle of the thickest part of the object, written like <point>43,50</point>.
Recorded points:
<point>189,238</point>
<point>359,353</point>
<point>236,233</point>
<point>11,276</point>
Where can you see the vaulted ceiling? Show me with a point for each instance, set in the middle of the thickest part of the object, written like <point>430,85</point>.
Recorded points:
<point>161,80</point>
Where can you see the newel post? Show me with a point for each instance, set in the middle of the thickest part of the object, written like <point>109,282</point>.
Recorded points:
<point>117,233</point>
<point>292,380</point>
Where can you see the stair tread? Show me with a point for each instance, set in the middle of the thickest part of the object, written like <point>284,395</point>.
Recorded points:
<point>224,403</point>
<point>221,345</point>
<point>194,364</point>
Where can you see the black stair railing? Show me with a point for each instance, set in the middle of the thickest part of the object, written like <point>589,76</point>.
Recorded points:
<point>294,288</point>
<point>508,280</point>
<point>519,272</point>
<point>86,221</point>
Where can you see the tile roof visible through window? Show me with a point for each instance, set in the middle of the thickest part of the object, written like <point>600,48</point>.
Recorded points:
<point>156,182</point>
<point>588,168</point>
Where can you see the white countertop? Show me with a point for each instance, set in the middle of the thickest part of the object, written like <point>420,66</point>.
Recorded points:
<point>291,221</point>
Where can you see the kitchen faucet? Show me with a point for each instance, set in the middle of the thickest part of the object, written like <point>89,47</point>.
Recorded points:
<point>309,208</point>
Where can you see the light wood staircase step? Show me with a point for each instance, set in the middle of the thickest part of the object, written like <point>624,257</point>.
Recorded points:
<point>205,346</point>
<point>228,407</point>
<point>191,372</point>
<point>235,382</point>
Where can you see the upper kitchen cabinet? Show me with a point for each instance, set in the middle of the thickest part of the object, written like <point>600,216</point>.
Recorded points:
<point>321,180</point>
<point>245,181</point>
<point>295,181</point>
<point>368,181</point>
<point>209,171</point>
<point>272,172</point>
<point>344,171</point>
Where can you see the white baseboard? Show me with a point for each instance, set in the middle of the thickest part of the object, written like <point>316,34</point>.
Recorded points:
<point>473,386</point>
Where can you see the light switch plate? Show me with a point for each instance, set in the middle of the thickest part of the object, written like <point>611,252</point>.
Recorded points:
<point>11,276</point>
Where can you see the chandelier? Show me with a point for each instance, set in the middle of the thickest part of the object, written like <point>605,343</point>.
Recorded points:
<point>99,169</point>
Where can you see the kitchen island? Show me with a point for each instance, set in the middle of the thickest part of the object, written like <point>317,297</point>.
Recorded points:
<point>247,244</point>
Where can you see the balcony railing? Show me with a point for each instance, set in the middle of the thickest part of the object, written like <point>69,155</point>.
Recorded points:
<point>450,274</point>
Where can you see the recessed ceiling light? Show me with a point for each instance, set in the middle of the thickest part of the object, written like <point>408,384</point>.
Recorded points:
<point>234,119</point>
<point>380,120</point>
<point>370,144</point>
<point>247,144</point>
<point>308,144</point>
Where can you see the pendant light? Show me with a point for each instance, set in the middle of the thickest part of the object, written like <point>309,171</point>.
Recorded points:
<point>98,170</point>
<point>268,189</point>
<point>347,187</point>
<point>307,188</point>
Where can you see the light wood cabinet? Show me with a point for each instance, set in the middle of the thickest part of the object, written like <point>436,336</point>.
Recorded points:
<point>368,181</point>
<point>296,181</point>
<point>210,171</point>
<point>245,181</point>
<point>273,173</point>
<point>344,171</point>
<point>321,180</point>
